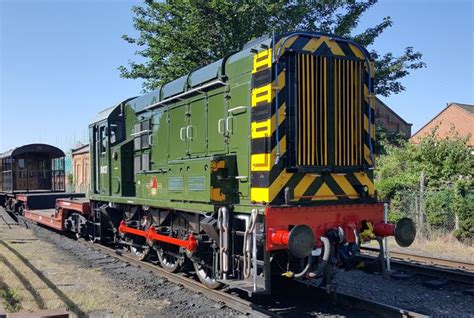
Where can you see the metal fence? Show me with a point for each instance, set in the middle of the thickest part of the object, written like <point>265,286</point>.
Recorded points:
<point>433,211</point>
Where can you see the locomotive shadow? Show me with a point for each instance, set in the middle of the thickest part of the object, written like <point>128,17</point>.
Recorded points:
<point>293,299</point>
<point>39,300</point>
<point>24,281</point>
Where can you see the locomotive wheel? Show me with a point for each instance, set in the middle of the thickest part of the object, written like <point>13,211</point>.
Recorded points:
<point>205,275</point>
<point>140,253</point>
<point>170,263</point>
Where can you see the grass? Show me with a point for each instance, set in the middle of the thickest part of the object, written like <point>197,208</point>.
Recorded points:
<point>438,245</point>
<point>63,282</point>
<point>11,299</point>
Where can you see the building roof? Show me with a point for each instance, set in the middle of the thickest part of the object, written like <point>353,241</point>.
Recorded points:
<point>469,108</point>
<point>392,111</point>
<point>80,150</point>
<point>466,107</point>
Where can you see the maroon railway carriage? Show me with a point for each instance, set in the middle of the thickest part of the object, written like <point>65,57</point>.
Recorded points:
<point>32,176</point>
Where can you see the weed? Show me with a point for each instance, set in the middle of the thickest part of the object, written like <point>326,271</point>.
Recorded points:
<point>10,298</point>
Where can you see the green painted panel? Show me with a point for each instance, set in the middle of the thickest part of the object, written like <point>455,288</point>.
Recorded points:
<point>160,139</point>
<point>239,63</point>
<point>196,131</point>
<point>177,132</point>
<point>216,115</point>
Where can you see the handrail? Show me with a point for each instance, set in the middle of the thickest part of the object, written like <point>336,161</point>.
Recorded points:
<point>196,89</point>
<point>140,132</point>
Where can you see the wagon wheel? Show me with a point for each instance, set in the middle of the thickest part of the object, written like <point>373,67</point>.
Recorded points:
<point>170,258</point>
<point>206,274</point>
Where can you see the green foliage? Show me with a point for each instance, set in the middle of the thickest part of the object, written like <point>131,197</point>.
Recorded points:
<point>464,207</point>
<point>11,299</point>
<point>447,167</point>
<point>398,170</point>
<point>176,37</point>
<point>384,139</point>
<point>438,209</point>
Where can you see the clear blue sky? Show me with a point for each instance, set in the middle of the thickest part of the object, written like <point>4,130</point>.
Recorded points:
<point>59,60</point>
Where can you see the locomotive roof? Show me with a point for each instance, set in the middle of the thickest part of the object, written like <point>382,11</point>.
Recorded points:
<point>215,70</point>
<point>104,114</point>
<point>53,152</point>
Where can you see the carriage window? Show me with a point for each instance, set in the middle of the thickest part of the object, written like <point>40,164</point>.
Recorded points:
<point>21,163</point>
<point>42,172</point>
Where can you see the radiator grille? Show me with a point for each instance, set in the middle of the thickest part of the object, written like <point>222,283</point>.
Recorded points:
<point>329,114</point>
<point>347,112</point>
<point>312,124</point>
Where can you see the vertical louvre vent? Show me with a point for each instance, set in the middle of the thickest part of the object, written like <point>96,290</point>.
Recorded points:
<point>328,123</point>
<point>312,125</point>
<point>347,112</point>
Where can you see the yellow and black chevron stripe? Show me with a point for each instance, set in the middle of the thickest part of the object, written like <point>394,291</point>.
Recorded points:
<point>269,180</point>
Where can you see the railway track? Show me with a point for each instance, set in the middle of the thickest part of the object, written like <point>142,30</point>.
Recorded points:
<point>231,301</point>
<point>453,270</point>
<point>263,306</point>
<point>260,310</point>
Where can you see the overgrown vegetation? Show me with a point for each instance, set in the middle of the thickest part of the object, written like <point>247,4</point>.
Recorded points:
<point>176,37</point>
<point>431,182</point>
<point>11,300</point>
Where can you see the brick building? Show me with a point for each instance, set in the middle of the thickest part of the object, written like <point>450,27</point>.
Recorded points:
<point>80,172</point>
<point>391,121</point>
<point>459,116</point>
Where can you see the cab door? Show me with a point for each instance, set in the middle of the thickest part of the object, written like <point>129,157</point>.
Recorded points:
<point>102,159</point>
<point>238,132</point>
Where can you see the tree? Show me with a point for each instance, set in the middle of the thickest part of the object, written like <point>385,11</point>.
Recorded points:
<point>176,37</point>
<point>446,167</point>
<point>385,138</point>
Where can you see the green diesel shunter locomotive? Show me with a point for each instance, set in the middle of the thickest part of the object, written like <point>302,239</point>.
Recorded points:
<point>259,162</point>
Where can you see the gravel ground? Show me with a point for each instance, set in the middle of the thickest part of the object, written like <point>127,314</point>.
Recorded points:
<point>410,294</point>
<point>142,286</point>
<point>132,291</point>
<point>180,301</point>
<point>47,270</point>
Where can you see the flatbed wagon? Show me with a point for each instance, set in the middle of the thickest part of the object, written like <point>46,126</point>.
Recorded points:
<point>64,216</point>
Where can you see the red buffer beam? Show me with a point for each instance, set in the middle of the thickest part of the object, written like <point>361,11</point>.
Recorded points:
<point>190,243</point>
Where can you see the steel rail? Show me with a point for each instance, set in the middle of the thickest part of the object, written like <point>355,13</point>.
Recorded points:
<point>234,302</point>
<point>378,308</point>
<point>364,304</point>
<point>426,259</point>
<point>457,271</point>
<point>245,306</point>
<point>253,309</point>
